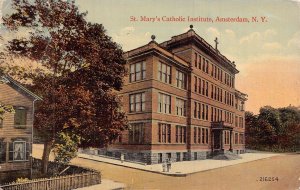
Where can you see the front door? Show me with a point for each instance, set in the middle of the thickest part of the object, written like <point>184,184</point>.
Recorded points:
<point>217,141</point>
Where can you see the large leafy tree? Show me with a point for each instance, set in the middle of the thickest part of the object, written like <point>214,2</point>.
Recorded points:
<point>82,68</point>
<point>273,129</point>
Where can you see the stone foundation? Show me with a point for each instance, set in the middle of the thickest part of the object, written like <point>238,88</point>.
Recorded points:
<point>154,157</point>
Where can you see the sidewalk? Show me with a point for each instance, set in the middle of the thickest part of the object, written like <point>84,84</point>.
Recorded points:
<point>183,168</point>
<point>105,185</point>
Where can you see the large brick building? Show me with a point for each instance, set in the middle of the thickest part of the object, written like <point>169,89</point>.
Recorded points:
<point>181,102</point>
<point>16,130</point>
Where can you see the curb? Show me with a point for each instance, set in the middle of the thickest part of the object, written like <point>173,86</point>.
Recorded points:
<point>174,174</point>
<point>157,172</point>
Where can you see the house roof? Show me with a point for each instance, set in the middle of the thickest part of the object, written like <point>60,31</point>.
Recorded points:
<point>13,83</point>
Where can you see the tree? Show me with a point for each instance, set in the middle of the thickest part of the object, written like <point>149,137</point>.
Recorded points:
<point>82,70</point>
<point>65,147</point>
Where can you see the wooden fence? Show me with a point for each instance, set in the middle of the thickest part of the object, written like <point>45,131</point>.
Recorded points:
<point>67,182</point>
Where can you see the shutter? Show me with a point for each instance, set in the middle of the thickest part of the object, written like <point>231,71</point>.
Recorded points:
<point>11,149</point>
<point>17,117</point>
<point>23,117</point>
<point>27,151</point>
<point>3,152</point>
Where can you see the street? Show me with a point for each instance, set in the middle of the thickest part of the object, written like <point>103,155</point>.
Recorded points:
<point>282,172</point>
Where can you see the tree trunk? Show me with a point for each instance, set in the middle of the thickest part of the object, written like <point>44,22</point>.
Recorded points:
<point>46,154</point>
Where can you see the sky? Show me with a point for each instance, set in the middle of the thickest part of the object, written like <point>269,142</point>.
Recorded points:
<point>266,53</point>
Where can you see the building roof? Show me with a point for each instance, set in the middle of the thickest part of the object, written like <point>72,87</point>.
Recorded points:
<point>188,37</point>
<point>13,83</point>
<point>154,47</point>
<point>192,37</point>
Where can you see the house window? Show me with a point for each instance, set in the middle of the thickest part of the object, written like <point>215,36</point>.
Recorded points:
<point>181,80</point>
<point>164,73</point>
<point>137,71</point>
<point>18,151</point>
<point>180,107</point>
<point>136,133</point>
<point>137,102</point>
<point>20,117</point>
<point>164,103</point>
<point>180,134</point>
<point>164,133</point>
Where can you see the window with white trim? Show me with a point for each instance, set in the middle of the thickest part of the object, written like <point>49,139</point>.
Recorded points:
<point>164,73</point>
<point>181,79</point>
<point>137,71</point>
<point>137,102</point>
<point>164,103</point>
<point>180,107</point>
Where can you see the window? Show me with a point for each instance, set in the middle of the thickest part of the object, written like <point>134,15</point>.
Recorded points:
<point>164,73</point>
<point>203,135</point>
<point>206,112</point>
<point>212,91</point>
<point>195,109</point>
<point>137,71</point>
<point>203,87</point>
<point>180,134</point>
<point>199,86</point>
<point>195,155</point>
<point>178,157</point>
<point>206,70</point>
<point>164,102</point>
<point>206,135</point>
<point>1,123</point>
<point>136,133</point>
<point>199,61</point>
<point>159,157</point>
<point>236,139</point>
<point>199,109</point>
<point>195,84</point>
<point>195,135</point>
<point>241,139</point>
<point>196,61</point>
<point>137,102</point>
<point>181,80</point>
<point>199,135</point>
<point>164,133</point>
<point>20,117</point>
<point>180,107</point>
<point>206,89</point>
<point>203,111</point>
<point>18,151</point>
